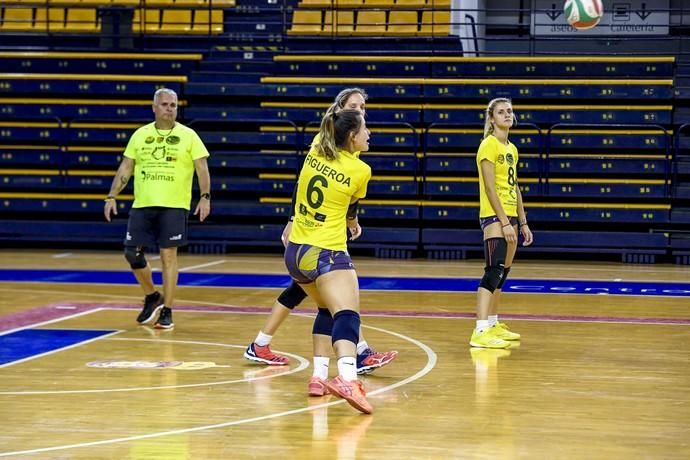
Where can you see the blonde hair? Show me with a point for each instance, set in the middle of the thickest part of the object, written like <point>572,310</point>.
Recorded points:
<point>335,132</point>
<point>342,97</point>
<point>488,115</point>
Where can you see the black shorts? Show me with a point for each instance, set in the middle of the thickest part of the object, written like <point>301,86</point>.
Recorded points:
<point>165,227</point>
<point>486,221</point>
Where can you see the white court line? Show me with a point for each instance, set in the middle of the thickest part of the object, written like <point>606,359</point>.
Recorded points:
<point>304,363</point>
<point>210,264</point>
<point>60,256</point>
<point>431,362</point>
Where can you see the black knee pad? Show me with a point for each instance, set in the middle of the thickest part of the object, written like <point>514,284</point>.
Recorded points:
<point>346,326</point>
<point>506,270</point>
<point>135,257</point>
<point>292,296</point>
<point>495,250</point>
<point>323,323</point>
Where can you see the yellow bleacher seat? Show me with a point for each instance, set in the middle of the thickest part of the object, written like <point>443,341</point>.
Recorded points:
<point>206,21</point>
<point>403,22</point>
<point>378,3</point>
<point>50,19</point>
<point>436,23</point>
<point>371,23</point>
<point>411,3</point>
<point>149,22</point>
<point>218,3</point>
<point>176,21</point>
<point>344,22</point>
<point>82,20</point>
<point>24,2</point>
<point>306,21</point>
<point>159,3</point>
<point>18,19</point>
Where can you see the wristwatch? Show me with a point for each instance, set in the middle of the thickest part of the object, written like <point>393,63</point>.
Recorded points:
<point>206,196</point>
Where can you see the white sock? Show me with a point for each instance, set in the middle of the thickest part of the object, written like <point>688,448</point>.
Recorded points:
<point>481,325</point>
<point>262,339</point>
<point>361,346</point>
<point>347,368</point>
<point>321,364</point>
<point>493,320</point>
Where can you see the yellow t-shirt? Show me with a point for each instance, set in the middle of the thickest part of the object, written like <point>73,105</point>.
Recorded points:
<point>505,160</point>
<point>164,165</point>
<point>324,192</point>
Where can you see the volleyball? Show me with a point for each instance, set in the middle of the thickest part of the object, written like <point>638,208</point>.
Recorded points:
<point>583,14</point>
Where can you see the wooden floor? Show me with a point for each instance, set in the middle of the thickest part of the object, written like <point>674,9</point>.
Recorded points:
<point>595,376</point>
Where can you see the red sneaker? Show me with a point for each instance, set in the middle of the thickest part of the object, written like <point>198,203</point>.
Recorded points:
<point>353,392</point>
<point>264,355</point>
<point>317,387</point>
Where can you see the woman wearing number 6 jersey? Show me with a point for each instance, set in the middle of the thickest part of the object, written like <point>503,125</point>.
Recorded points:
<point>332,181</point>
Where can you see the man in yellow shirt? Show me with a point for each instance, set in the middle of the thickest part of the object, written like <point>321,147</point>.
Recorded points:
<point>163,157</point>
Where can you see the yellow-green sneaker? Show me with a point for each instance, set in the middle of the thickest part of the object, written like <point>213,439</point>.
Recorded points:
<point>486,339</point>
<point>501,331</point>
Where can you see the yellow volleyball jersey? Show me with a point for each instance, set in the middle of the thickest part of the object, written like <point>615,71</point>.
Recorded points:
<point>505,160</point>
<point>324,192</point>
<point>164,165</point>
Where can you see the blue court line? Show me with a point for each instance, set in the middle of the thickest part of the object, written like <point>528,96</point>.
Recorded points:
<point>545,286</point>
<point>29,343</point>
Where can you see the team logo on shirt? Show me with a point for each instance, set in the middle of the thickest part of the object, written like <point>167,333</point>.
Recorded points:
<point>510,159</point>
<point>158,153</point>
<point>501,159</point>
<point>172,140</point>
<point>149,140</point>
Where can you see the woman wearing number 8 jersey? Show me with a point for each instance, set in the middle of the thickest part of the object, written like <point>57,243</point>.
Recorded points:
<point>501,216</point>
<point>331,182</point>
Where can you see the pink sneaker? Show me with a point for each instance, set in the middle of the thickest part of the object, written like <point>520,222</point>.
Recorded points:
<point>353,392</point>
<point>317,387</point>
<point>264,355</point>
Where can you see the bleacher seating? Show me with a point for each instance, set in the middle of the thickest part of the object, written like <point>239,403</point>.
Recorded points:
<point>604,164</point>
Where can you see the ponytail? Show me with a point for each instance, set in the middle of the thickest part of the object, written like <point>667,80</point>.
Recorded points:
<point>335,132</point>
<point>326,145</point>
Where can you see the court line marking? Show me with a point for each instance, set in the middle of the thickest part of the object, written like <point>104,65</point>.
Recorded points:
<point>209,264</point>
<point>50,321</point>
<point>405,291</point>
<point>430,364</point>
<point>304,363</point>
<point>399,313</point>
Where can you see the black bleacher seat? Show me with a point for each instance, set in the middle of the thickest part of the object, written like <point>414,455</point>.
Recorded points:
<point>489,66</point>
<point>73,84</point>
<point>67,109</point>
<point>425,114</point>
<point>52,62</point>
